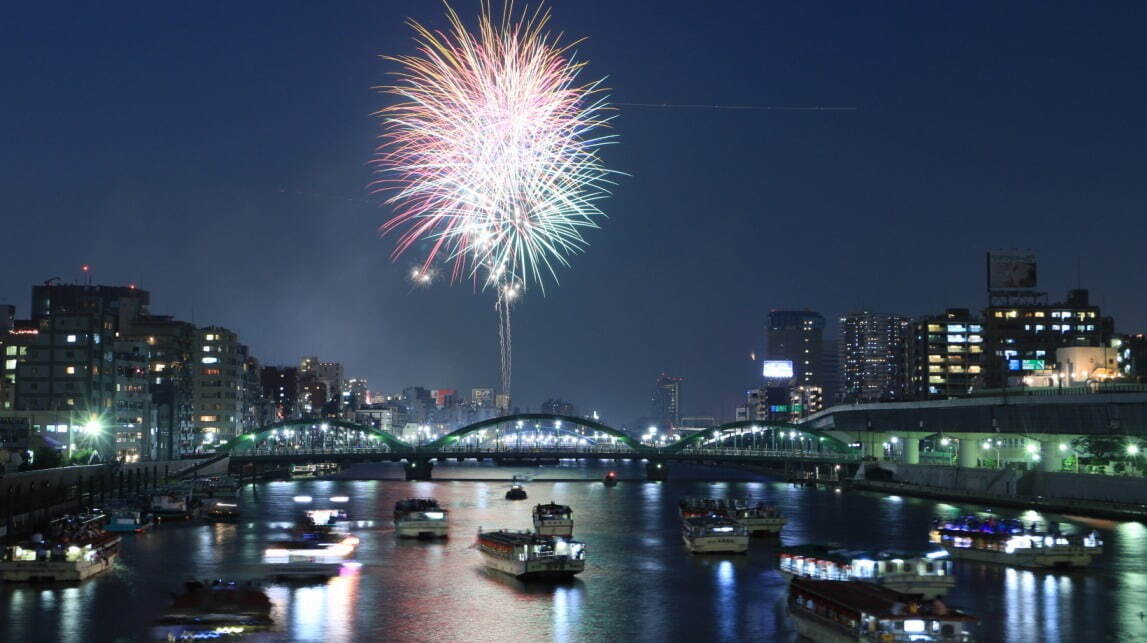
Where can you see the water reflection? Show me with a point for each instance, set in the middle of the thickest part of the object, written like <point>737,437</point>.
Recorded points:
<point>640,584</point>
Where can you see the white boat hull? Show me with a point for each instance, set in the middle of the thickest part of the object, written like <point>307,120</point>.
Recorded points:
<point>421,528</point>
<point>52,570</point>
<point>308,569</point>
<point>810,628</point>
<point>556,567</point>
<point>717,544</point>
<point>763,526</point>
<point>929,586</point>
<point>1067,557</point>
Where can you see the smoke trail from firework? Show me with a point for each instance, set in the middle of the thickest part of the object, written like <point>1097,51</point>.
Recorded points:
<point>491,155</point>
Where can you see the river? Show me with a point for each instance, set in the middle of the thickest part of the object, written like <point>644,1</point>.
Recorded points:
<point>640,584</point>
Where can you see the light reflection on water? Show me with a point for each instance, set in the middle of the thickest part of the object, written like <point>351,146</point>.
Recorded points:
<point>640,582</point>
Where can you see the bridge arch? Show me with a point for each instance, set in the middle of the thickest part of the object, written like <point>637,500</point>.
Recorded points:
<point>520,422</point>
<point>314,430</point>
<point>760,431</point>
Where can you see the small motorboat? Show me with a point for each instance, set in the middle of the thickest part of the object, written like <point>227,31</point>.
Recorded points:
<point>516,492</point>
<point>610,479</point>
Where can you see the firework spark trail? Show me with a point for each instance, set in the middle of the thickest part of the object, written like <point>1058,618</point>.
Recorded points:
<point>491,154</point>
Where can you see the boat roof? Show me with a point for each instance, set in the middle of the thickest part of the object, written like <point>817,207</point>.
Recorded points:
<point>845,556</point>
<point>417,502</point>
<point>877,600</point>
<point>515,537</point>
<point>553,507</point>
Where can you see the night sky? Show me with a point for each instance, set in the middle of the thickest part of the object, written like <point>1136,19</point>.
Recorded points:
<point>216,154</point>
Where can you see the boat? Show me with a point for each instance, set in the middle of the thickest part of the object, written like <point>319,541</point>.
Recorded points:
<point>172,504</point>
<point>830,611</point>
<point>307,558</point>
<point>420,518</point>
<point>759,519</point>
<point>516,492</point>
<point>214,609</point>
<point>690,507</point>
<point>997,540</point>
<point>714,534</point>
<point>610,479</point>
<point>73,548</point>
<point>527,555</point>
<point>926,573</point>
<point>129,521</point>
<point>553,520</point>
<point>305,471</point>
<point>220,511</point>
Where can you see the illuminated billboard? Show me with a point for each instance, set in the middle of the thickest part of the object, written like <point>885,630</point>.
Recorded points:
<point>1011,269</point>
<point>778,369</point>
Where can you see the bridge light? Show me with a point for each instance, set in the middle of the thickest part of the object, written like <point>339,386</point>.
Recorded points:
<point>1132,449</point>
<point>895,439</point>
<point>988,444</point>
<point>1063,446</point>
<point>1032,448</point>
<point>945,442</point>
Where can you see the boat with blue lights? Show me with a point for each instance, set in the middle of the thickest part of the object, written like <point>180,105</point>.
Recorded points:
<point>420,518</point>
<point>830,611</point>
<point>714,534</point>
<point>998,540</point>
<point>131,521</point>
<point>927,573</point>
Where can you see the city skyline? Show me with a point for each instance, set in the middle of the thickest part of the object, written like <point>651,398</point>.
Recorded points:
<point>233,221</point>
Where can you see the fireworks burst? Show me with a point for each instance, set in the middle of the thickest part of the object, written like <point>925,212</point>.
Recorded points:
<point>491,154</point>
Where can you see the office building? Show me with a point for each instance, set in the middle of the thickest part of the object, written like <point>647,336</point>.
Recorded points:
<point>872,357</point>
<point>1022,338</point>
<point>482,397</point>
<point>557,407</point>
<point>797,336</point>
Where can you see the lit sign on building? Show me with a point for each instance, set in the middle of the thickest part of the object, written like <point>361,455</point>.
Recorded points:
<point>1027,364</point>
<point>778,369</point>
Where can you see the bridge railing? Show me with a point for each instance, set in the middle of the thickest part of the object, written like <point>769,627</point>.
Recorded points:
<point>271,451</point>
<point>618,449</point>
<point>766,453</point>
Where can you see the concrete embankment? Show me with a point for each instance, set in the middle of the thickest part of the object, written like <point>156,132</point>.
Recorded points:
<point>1113,497</point>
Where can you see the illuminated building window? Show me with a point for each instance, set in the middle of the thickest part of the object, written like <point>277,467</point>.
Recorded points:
<point>71,370</point>
<point>71,339</point>
<point>210,360</point>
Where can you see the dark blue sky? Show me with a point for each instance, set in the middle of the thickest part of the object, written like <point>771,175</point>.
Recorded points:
<point>215,153</point>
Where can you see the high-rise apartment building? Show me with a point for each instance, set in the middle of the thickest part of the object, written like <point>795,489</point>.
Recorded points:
<point>132,417</point>
<point>872,357</point>
<point>945,355</point>
<point>797,336</point>
<point>281,387</point>
<point>170,344</point>
<point>482,397</point>
<point>219,386</point>
<point>665,405</point>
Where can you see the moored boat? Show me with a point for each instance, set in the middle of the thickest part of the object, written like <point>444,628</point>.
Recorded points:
<point>129,521</point>
<point>527,555</point>
<point>220,511</point>
<point>516,492</point>
<point>172,504</point>
<point>610,479</point>
<point>553,519</point>
<point>841,611</point>
<point>420,518</point>
<point>714,534</point>
<point>1006,541</point>
<point>926,573</point>
<point>73,548</point>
